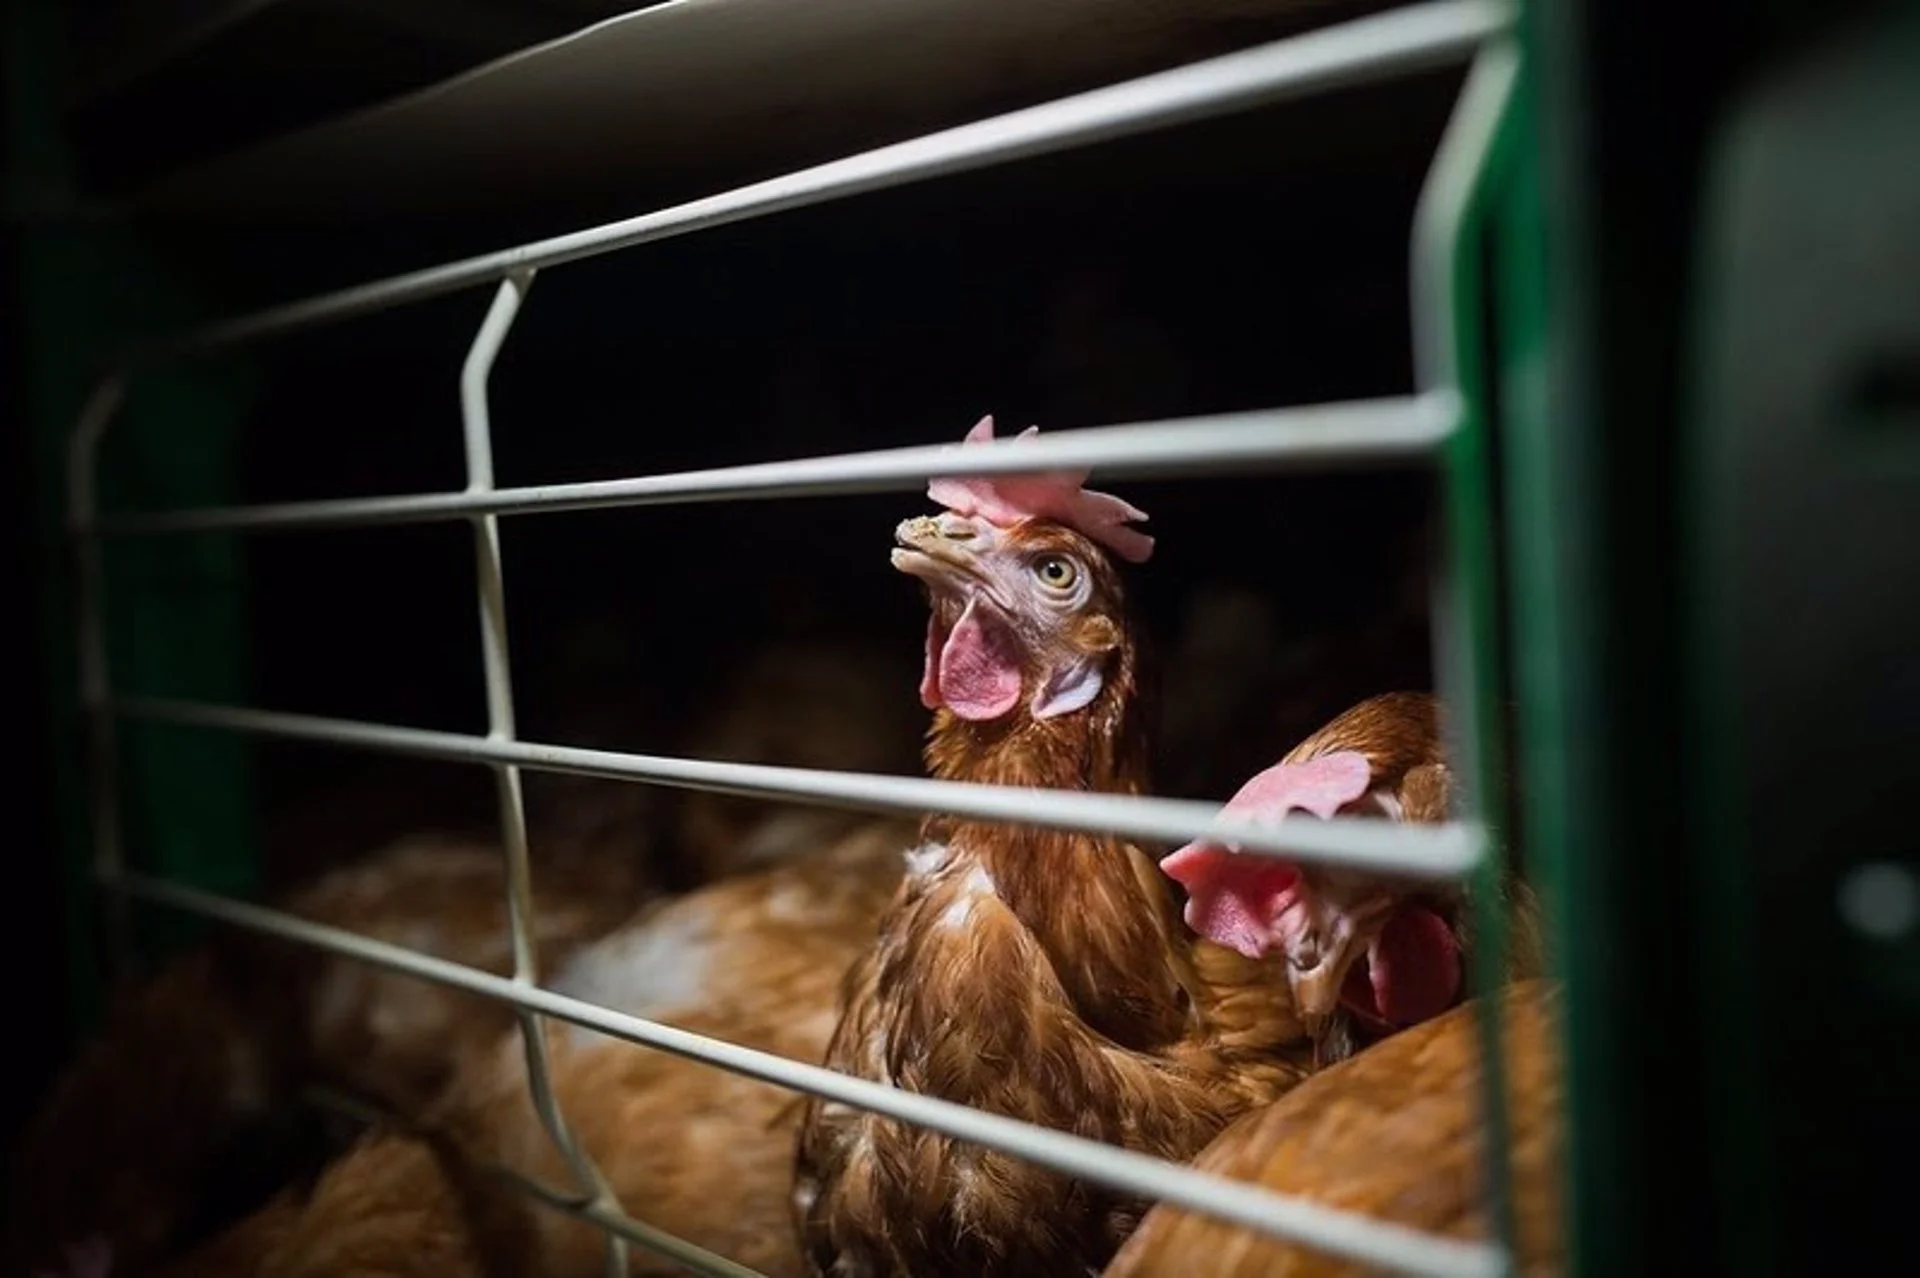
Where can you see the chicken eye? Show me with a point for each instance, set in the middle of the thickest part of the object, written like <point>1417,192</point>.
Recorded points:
<point>1056,572</point>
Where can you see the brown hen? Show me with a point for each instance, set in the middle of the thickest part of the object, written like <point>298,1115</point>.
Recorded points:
<point>1367,953</point>
<point>755,960</point>
<point>191,1086</point>
<point>1035,973</point>
<point>182,1113</point>
<point>1395,1133</point>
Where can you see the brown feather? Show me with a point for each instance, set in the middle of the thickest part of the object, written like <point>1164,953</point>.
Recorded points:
<point>131,1144</point>
<point>1041,975</point>
<point>1395,1133</point>
<point>694,1150</point>
<point>1403,736</point>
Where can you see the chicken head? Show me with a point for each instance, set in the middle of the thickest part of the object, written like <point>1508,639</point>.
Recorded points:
<point>1380,949</point>
<point>1024,606</point>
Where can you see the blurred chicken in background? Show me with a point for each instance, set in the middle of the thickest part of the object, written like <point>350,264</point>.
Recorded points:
<point>843,706</point>
<point>1220,682</point>
<point>1240,674</point>
<point>186,1104</point>
<point>755,960</point>
<point>185,1110</point>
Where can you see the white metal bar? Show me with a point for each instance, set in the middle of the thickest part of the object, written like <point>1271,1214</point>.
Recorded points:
<point>96,687</point>
<point>1378,432</point>
<point>1399,42</point>
<point>1442,209</point>
<point>496,662</point>
<point>1416,851</point>
<point>690,1257</point>
<point>1342,1233</point>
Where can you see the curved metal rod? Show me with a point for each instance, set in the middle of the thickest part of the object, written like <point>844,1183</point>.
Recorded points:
<point>102,406</point>
<point>477,430</point>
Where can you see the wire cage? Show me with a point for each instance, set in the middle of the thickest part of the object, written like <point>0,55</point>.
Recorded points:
<point>1438,425</point>
<point>1441,425</point>
<point>1477,277</point>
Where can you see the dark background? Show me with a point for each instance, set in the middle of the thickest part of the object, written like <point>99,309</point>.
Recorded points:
<point>1255,262</point>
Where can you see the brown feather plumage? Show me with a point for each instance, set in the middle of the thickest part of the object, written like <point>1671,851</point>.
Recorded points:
<point>1073,998</point>
<point>1396,1133</point>
<point>132,1142</point>
<point>689,1148</point>
<point>1041,975</point>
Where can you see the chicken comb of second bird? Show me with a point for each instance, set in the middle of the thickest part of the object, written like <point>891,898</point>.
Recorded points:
<point>1232,898</point>
<point>1058,495</point>
<point>1253,904</point>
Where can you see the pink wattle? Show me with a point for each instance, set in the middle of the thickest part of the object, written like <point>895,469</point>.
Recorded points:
<point>1237,899</point>
<point>1232,900</point>
<point>930,670</point>
<point>1412,971</point>
<point>973,670</point>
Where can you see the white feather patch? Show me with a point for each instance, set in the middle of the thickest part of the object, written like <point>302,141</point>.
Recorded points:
<point>653,968</point>
<point>927,859</point>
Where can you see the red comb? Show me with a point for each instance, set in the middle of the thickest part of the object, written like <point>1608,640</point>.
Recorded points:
<point>1057,495</point>
<point>1236,899</point>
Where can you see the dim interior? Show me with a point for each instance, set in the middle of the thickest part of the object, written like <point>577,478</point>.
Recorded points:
<point>1215,267</point>
<point>1250,263</point>
<point>1652,200</point>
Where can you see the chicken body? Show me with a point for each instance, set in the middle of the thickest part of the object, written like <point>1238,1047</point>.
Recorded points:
<point>191,1088</point>
<point>182,1114</point>
<point>755,960</point>
<point>1042,977</point>
<point>1396,1132</point>
<point>1037,974</point>
<point>809,704</point>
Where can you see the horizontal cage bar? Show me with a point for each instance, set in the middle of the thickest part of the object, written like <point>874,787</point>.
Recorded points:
<point>1399,42</point>
<point>1416,851</point>
<point>1343,1233</point>
<point>1379,432</point>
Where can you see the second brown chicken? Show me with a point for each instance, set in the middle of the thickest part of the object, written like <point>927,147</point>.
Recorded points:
<point>1396,1133</point>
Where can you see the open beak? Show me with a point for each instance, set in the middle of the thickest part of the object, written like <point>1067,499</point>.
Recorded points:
<point>939,549</point>
<point>1321,955</point>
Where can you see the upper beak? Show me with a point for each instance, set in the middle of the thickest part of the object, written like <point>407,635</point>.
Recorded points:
<point>935,548</point>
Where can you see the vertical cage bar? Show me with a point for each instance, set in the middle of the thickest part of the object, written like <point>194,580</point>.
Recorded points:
<point>477,431</point>
<point>1446,299</point>
<point>96,687</point>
